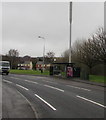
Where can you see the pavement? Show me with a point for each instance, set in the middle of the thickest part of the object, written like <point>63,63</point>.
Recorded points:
<point>90,82</point>
<point>15,105</point>
<point>56,98</point>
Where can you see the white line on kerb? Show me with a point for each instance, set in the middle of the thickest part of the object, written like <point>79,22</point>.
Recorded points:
<point>91,101</point>
<point>29,104</point>
<point>45,102</point>
<point>39,77</point>
<point>54,88</point>
<point>79,88</point>
<point>31,81</point>
<point>21,86</point>
<point>7,81</point>
<point>15,78</point>
<point>49,81</point>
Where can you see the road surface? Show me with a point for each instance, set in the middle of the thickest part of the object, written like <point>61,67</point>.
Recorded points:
<point>52,98</point>
<point>0,97</point>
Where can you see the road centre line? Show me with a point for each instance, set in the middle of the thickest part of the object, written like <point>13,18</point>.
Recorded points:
<point>21,87</point>
<point>31,81</point>
<point>54,88</point>
<point>7,81</point>
<point>45,102</point>
<point>91,101</point>
<point>78,87</point>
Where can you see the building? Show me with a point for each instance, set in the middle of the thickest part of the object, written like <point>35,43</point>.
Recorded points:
<point>27,65</point>
<point>40,65</point>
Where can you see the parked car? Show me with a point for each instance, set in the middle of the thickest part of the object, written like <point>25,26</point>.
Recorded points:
<point>4,67</point>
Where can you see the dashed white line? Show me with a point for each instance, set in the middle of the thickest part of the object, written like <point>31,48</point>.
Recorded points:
<point>78,88</point>
<point>54,88</point>
<point>7,81</point>
<point>91,101</point>
<point>45,102</point>
<point>21,87</point>
<point>31,81</point>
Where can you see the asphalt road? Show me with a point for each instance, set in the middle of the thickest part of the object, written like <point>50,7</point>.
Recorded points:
<point>52,98</point>
<point>0,97</point>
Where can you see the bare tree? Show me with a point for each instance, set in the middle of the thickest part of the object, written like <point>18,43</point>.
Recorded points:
<point>90,52</point>
<point>50,56</point>
<point>13,55</point>
<point>98,44</point>
<point>65,56</point>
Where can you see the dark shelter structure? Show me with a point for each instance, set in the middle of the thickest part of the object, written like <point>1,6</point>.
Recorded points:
<point>65,69</point>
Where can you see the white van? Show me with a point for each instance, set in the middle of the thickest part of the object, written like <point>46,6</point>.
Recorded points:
<point>4,67</point>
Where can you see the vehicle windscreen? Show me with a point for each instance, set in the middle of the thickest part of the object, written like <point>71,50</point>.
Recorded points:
<point>4,64</point>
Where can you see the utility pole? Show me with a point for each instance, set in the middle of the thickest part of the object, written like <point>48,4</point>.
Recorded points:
<point>70,19</point>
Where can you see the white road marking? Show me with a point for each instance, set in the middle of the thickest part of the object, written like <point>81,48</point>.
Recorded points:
<point>15,78</point>
<point>31,81</point>
<point>21,86</point>
<point>78,88</point>
<point>45,102</point>
<point>39,77</point>
<point>49,81</point>
<point>23,75</point>
<point>35,77</point>
<point>54,88</point>
<point>91,101</point>
<point>7,81</point>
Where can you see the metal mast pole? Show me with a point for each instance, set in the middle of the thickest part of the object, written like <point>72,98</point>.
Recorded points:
<point>70,14</point>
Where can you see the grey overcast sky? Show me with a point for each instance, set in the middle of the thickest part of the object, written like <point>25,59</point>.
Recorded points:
<point>23,22</point>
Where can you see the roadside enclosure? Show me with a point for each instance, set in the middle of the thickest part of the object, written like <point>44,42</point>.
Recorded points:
<point>68,70</point>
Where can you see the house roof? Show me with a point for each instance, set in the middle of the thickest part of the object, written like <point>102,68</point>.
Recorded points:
<point>27,62</point>
<point>39,62</point>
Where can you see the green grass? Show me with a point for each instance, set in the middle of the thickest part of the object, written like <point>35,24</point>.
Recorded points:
<point>95,78</point>
<point>31,72</point>
<point>63,74</point>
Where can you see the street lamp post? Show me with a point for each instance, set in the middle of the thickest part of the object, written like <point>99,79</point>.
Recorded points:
<point>43,50</point>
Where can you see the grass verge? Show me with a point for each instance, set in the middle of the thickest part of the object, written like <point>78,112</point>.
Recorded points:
<point>93,78</point>
<point>96,78</point>
<point>31,72</point>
